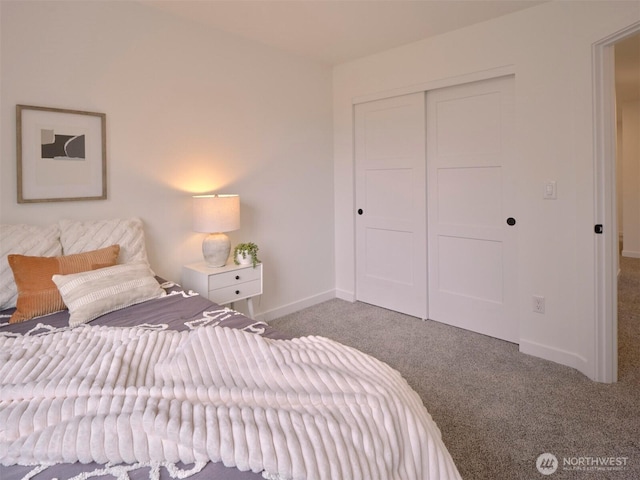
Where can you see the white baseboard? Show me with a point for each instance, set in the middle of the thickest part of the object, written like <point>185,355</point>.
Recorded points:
<point>630,254</point>
<point>563,357</point>
<point>296,306</point>
<point>344,295</point>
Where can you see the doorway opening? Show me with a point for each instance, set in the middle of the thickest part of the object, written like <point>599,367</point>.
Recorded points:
<point>607,246</point>
<point>627,93</point>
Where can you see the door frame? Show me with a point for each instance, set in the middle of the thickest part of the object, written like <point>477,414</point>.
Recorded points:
<point>606,245</point>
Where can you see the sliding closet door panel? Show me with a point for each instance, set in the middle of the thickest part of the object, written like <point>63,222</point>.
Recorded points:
<point>391,204</point>
<point>472,249</point>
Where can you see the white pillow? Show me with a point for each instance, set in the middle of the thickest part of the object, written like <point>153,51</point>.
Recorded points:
<point>91,294</point>
<point>22,239</point>
<point>84,236</point>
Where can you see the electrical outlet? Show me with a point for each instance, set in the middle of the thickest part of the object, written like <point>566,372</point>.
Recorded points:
<point>538,304</point>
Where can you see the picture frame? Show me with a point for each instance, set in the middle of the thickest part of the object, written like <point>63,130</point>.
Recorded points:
<point>61,154</point>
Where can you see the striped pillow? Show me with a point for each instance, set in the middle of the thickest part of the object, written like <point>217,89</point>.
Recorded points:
<point>37,294</point>
<point>89,295</point>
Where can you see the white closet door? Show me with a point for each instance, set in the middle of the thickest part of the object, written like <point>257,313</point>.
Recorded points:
<point>391,260</point>
<point>472,244</point>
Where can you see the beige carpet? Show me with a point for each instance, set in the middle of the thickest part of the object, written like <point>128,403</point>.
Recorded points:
<point>498,409</point>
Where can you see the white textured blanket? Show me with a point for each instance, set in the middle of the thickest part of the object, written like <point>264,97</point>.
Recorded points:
<point>307,408</point>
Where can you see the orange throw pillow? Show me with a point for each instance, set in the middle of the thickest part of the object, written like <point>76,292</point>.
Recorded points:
<point>37,294</point>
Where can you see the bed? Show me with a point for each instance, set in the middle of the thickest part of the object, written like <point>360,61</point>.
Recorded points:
<point>135,378</point>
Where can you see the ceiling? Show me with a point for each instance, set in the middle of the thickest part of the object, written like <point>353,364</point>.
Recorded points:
<point>336,31</point>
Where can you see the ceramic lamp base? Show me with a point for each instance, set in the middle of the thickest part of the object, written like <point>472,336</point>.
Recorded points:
<point>215,249</point>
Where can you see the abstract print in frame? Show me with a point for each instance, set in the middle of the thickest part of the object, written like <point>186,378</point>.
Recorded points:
<point>61,154</point>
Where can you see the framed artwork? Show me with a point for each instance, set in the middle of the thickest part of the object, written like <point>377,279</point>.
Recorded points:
<point>62,155</point>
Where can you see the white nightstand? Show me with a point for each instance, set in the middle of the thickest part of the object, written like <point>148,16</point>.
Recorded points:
<point>226,284</point>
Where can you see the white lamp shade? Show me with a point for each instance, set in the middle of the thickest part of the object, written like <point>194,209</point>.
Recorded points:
<point>216,213</point>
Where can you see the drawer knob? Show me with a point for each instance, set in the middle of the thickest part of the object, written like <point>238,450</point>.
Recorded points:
<point>237,292</point>
<point>237,277</point>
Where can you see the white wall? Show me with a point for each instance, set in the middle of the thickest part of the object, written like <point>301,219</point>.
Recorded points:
<point>630,153</point>
<point>549,47</point>
<point>188,110</point>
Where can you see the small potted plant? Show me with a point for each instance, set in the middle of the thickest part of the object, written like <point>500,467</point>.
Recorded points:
<point>246,253</point>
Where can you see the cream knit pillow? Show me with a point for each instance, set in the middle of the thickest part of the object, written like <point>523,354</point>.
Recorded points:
<point>23,239</point>
<point>77,236</point>
<point>89,295</point>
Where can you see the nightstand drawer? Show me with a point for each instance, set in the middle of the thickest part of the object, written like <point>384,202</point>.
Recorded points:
<point>220,284</point>
<point>236,292</point>
<point>234,277</point>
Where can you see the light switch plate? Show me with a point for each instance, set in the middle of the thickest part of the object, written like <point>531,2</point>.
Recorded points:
<point>550,190</point>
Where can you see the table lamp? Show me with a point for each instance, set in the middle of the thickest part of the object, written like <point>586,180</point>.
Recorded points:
<point>214,215</point>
